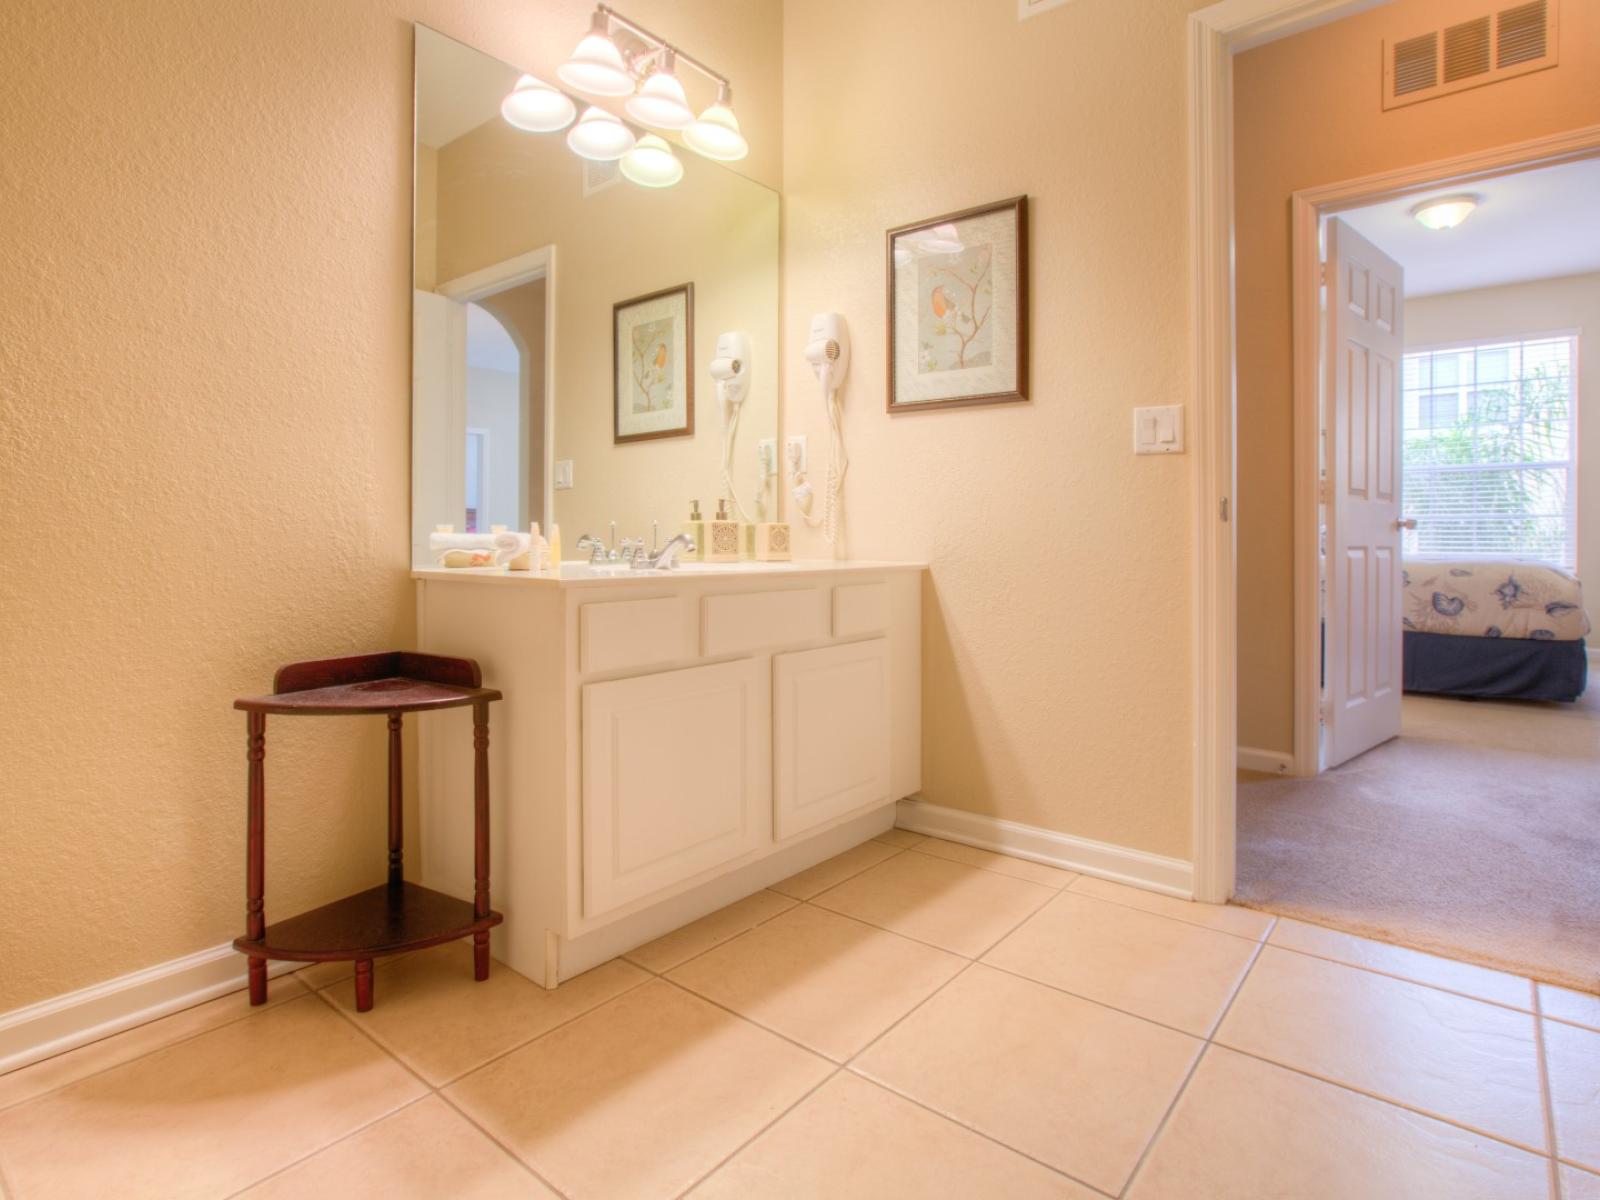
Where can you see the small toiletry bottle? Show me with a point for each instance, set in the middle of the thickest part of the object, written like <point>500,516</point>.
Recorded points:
<point>695,527</point>
<point>722,536</point>
<point>555,545</point>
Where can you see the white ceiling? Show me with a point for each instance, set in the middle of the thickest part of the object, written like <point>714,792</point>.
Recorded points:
<point>488,343</point>
<point>1530,225</point>
<point>458,88</point>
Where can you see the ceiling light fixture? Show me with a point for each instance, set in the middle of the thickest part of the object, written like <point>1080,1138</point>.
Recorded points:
<point>537,107</point>
<point>600,136</point>
<point>716,133</point>
<point>651,163</point>
<point>660,102</point>
<point>597,66</point>
<point>1446,212</point>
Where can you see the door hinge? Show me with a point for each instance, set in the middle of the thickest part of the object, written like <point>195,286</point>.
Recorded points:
<point>1322,272</point>
<point>1224,508</point>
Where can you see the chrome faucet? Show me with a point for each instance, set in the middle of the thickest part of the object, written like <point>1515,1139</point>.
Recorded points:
<point>596,548</point>
<point>666,558</point>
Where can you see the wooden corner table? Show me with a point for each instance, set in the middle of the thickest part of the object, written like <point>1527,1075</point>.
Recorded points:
<point>396,916</point>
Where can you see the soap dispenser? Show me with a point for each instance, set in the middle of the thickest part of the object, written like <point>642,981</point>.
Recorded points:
<point>722,536</point>
<point>695,527</point>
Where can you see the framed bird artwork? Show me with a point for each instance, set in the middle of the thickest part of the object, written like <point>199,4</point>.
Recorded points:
<point>958,308</point>
<point>653,363</point>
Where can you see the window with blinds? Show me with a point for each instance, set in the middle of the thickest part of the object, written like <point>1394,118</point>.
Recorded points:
<point>1489,450</point>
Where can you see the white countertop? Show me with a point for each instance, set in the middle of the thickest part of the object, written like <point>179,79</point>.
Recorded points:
<point>581,574</point>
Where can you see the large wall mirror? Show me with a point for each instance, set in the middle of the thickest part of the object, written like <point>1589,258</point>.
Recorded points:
<point>566,321</point>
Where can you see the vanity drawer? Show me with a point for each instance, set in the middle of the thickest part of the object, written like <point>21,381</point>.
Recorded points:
<point>755,620</point>
<point>618,634</point>
<point>860,608</point>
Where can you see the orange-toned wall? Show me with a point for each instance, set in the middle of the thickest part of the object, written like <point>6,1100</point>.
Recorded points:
<point>1307,111</point>
<point>205,298</point>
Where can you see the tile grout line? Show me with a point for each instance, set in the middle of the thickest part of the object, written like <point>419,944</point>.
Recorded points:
<point>1271,922</point>
<point>439,1091</point>
<point>1389,1100</point>
<point>343,1137</point>
<point>1546,1104</point>
<point>1060,887</point>
<point>1339,962</point>
<point>897,851</point>
<point>846,1065</point>
<point>715,945</point>
<point>1205,1048</point>
<point>306,990</point>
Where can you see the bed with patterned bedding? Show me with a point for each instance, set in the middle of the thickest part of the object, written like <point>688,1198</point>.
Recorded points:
<point>1494,629</point>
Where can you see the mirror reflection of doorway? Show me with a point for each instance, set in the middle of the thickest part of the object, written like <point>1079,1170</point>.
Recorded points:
<point>496,449</point>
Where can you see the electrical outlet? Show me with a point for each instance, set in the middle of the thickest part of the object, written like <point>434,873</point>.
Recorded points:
<point>563,474</point>
<point>794,447</point>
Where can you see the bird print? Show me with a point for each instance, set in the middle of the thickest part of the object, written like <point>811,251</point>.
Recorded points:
<point>661,356</point>
<point>942,303</point>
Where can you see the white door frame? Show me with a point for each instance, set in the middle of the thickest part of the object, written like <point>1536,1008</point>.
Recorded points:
<point>500,277</point>
<point>1217,33</point>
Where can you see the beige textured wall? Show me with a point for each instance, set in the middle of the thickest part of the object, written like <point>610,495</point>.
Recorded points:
<point>1307,112</point>
<point>1056,646</point>
<point>1571,302</point>
<point>204,411</point>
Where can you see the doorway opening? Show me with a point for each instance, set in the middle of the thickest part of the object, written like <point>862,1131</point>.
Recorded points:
<point>1440,793</point>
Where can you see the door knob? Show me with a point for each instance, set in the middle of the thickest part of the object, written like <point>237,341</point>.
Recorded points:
<point>1406,523</point>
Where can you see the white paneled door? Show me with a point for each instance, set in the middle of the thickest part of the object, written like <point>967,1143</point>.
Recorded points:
<point>1362,414</point>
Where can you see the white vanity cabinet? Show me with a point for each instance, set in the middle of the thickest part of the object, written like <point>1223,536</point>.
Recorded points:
<point>668,742</point>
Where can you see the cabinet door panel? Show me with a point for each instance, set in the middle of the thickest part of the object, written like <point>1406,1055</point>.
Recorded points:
<point>831,739</point>
<point>675,778</point>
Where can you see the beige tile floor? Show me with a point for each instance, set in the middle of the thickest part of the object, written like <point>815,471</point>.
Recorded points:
<point>910,1019</point>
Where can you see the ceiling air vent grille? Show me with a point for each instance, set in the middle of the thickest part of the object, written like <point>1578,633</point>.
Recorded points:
<point>1416,64</point>
<point>1495,45</point>
<point>1523,34</point>
<point>1466,50</point>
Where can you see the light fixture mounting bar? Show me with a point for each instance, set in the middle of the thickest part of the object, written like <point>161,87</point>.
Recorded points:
<point>660,43</point>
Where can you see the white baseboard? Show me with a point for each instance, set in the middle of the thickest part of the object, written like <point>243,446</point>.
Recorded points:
<point>1271,761</point>
<point>1171,876</point>
<point>66,1022</point>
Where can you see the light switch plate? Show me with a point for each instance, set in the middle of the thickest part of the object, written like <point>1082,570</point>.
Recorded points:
<point>1158,430</point>
<point>795,452</point>
<point>563,474</point>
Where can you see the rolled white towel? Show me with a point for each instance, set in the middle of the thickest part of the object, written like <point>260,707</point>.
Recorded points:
<point>509,547</point>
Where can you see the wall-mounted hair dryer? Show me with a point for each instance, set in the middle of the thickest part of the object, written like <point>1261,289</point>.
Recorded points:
<point>828,352</point>
<point>731,369</point>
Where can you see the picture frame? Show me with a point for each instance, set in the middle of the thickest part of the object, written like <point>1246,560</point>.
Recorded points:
<point>957,308</point>
<point>652,356</point>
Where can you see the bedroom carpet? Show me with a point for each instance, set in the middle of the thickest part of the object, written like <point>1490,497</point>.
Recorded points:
<point>1475,834</point>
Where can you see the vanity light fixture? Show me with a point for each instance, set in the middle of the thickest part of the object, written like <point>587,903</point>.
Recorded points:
<point>716,133</point>
<point>537,107</point>
<point>660,102</point>
<point>600,136</point>
<point>1445,212</point>
<point>651,163</point>
<point>597,66</point>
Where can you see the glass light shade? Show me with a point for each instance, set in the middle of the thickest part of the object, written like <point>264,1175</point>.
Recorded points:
<point>660,102</point>
<point>599,136</point>
<point>651,163</point>
<point>716,135</point>
<point>537,107</point>
<point>1446,212</point>
<point>596,66</point>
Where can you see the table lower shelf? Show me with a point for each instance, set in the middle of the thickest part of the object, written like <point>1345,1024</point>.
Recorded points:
<point>382,920</point>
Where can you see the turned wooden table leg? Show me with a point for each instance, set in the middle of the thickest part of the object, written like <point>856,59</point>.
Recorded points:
<point>363,985</point>
<point>396,814</point>
<point>480,848</point>
<point>255,921</point>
